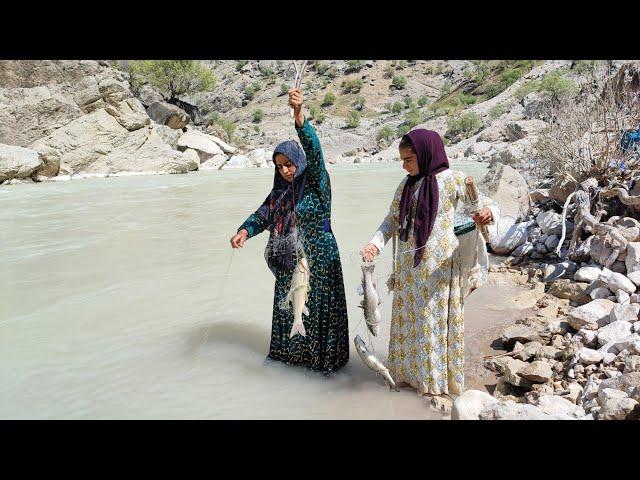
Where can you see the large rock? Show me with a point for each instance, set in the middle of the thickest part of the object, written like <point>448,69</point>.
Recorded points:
<point>587,274</point>
<point>238,161</point>
<point>144,151</point>
<point>626,313</point>
<point>469,405</point>
<point>261,157</point>
<point>509,237</point>
<point>129,113</point>
<point>511,410</point>
<point>537,372</point>
<point>618,409</point>
<point>558,406</point>
<point>88,96</point>
<point>617,281</point>
<point>512,371</point>
<point>167,114</point>
<point>215,163</point>
<point>97,143</point>
<point>591,316</point>
<point>627,382</point>
<point>574,291</point>
<point>519,333</point>
<point>82,145</point>
<point>614,332</point>
<point>113,91</point>
<point>27,114</point>
<point>515,131</point>
<point>35,73</point>
<point>201,143</point>
<point>588,356</point>
<point>505,186</point>
<point>632,262</point>
<point>17,162</point>
<point>550,222</point>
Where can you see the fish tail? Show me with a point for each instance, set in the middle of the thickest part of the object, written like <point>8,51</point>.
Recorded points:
<point>297,328</point>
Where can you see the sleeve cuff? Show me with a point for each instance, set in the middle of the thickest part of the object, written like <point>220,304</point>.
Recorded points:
<point>378,240</point>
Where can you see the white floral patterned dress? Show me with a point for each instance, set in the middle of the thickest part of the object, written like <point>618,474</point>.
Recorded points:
<point>426,344</point>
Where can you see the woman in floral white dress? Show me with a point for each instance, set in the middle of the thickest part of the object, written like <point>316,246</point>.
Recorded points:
<point>426,344</point>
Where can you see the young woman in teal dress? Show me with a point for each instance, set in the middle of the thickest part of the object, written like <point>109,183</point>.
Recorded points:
<point>297,213</point>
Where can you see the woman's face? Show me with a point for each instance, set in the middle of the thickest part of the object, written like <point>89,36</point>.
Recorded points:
<point>409,161</point>
<point>286,167</point>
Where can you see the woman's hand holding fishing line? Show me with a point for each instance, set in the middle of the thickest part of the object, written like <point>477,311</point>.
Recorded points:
<point>482,216</point>
<point>369,252</point>
<point>239,238</point>
<point>295,101</point>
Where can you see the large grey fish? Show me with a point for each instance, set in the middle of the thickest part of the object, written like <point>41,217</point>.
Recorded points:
<point>371,300</point>
<point>372,362</point>
<point>298,296</point>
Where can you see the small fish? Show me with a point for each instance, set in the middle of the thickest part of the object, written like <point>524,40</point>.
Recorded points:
<point>298,296</point>
<point>371,300</point>
<point>372,362</point>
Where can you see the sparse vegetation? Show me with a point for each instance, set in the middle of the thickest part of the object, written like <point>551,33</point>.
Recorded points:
<point>396,107</point>
<point>353,119</point>
<point>284,89</point>
<point>359,103</point>
<point>352,85</point>
<point>257,116</point>
<point>497,111</point>
<point>240,64</point>
<point>463,126</point>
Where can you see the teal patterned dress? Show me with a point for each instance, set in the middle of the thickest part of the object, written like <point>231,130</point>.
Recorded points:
<point>325,347</point>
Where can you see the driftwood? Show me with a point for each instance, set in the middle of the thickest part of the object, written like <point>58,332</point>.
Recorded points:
<point>585,221</point>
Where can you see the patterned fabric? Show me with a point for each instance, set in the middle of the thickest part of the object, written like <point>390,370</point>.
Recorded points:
<point>426,344</point>
<point>326,345</point>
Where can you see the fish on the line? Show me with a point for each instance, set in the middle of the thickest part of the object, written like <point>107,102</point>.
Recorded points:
<point>371,300</point>
<point>372,362</point>
<point>297,296</point>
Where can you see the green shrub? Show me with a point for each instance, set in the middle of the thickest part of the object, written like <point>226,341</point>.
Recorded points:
<point>423,100</point>
<point>408,102</point>
<point>354,66</point>
<point>352,85</point>
<point>284,89</point>
<point>329,99</point>
<point>172,78</point>
<point>240,64</point>
<point>320,117</point>
<point>321,68</point>
<point>397,107</point>
<point>257,116</point>
<point>556,85</point>
<point>399,82</point>
<point>386,134</point>
<point>266,70</point>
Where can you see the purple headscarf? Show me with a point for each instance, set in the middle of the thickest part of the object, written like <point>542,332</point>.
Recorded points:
<point>432,159</point>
